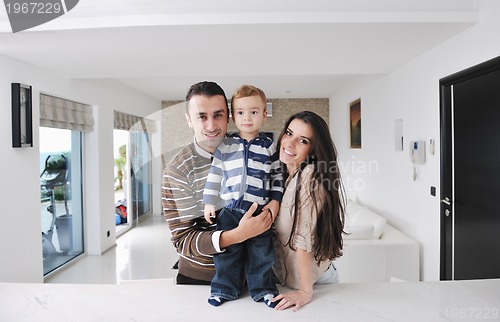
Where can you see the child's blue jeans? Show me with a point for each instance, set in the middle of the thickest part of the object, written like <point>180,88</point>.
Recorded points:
<point>253,258</point>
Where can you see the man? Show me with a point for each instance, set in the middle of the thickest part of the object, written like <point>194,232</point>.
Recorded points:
<point>182,191</point>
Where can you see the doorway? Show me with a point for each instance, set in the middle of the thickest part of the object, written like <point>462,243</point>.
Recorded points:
<point>470,173</point>
<point>61,206</point>
<point>133,178</point>
<point>120,147</point>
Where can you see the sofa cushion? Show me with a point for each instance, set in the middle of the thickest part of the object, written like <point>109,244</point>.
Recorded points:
<point>359,232</point>
<point>358,218</point>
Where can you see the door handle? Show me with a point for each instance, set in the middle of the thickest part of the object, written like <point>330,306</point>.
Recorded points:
<point>446,201</point>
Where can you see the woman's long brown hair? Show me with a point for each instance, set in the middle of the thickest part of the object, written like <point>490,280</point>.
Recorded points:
<point>325,190</point>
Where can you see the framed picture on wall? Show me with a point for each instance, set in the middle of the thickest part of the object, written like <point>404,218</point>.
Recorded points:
<point>355,124</point>
<point>22,125</point>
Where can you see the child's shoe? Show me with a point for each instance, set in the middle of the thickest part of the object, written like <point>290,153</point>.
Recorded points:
<point>268,301</point>
<point>215,300</point>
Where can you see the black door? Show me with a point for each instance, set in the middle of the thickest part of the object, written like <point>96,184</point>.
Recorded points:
<point>470,173</point>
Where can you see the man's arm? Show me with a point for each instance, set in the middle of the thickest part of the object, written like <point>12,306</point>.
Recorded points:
<point>191,234</point>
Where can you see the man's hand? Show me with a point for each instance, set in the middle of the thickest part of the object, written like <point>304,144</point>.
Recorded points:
<point>248,227</point>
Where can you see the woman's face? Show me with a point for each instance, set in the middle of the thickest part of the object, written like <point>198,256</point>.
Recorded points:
<point>296,144</point>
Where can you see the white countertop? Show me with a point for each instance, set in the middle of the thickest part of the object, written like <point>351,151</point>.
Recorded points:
<point>161,300</point>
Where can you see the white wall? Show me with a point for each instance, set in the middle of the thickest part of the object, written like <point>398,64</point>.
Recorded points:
<point>379,177</point>
<point>21,250</point>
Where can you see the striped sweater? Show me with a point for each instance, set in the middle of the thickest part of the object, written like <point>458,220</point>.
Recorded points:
<point>244,172</point>
<point>182,192</point>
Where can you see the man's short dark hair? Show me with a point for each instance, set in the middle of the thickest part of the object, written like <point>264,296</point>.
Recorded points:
<point>205,88</point>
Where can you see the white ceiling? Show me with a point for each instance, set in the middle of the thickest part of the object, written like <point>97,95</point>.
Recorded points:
<point>289,48</point>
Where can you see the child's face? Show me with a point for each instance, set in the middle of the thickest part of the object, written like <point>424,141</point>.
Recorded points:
<point>248,115</point>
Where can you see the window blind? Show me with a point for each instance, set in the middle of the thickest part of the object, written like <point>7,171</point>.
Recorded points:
<point>65,114</point>
<point>128,122</point>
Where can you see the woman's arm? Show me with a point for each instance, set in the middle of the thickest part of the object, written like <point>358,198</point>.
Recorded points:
<point>305,260</point>
<point>301,297</point>
<point>303,243</point>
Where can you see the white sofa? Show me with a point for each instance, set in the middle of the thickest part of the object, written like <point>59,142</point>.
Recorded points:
<point>374,251</point>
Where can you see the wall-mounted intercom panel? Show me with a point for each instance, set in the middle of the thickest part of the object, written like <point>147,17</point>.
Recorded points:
<point>417,152</point>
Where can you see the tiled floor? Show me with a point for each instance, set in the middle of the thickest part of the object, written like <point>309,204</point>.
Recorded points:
<point>144,252</point>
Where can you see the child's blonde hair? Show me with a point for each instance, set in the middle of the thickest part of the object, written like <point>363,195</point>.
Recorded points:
<point>247,91</point>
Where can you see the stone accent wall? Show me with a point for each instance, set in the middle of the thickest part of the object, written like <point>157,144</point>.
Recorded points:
<point>284,108</point>
<point>176,133</point>
<point>175,130</point>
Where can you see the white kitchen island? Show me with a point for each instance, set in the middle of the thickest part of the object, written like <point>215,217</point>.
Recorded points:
<point>161,300</point>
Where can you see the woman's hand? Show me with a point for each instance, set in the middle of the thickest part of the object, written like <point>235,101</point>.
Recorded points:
<point>274,207</point>
<point>301,297</point>
<point>295,299</point>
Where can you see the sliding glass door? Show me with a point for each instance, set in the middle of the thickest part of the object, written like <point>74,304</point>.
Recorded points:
<point>60,196</point>
<point>140,173</point>
<point>132,177</point>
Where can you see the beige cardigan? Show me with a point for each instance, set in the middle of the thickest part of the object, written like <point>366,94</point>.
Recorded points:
<point>286,259</point>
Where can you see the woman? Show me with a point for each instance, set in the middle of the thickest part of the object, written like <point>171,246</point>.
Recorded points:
<point>311,218</point>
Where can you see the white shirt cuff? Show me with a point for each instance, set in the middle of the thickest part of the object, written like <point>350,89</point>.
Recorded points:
<point>216,240</point>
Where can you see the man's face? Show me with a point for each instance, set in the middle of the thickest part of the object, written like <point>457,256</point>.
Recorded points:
<point>209,119</point>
